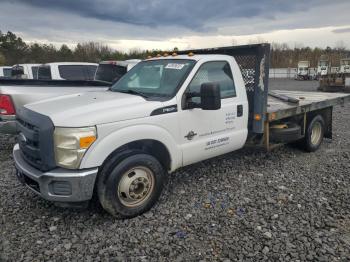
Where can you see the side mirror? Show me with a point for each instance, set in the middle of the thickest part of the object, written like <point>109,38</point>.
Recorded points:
<point>210,96</point>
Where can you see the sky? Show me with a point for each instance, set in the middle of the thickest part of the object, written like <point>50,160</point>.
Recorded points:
<point>165,24</point>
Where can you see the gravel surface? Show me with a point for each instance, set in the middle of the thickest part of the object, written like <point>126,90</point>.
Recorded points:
<point>249,205</point>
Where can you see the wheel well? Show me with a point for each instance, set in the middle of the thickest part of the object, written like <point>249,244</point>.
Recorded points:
<point>153,147</point>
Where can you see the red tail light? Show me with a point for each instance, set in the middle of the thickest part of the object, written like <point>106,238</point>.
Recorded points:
<point>6,105</point>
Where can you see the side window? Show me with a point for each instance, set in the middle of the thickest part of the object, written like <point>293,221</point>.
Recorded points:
<point>35,72</point>
<point>214,72</point>
<point>73,72</point>
<point>44,73</point>
<point>91,71</point>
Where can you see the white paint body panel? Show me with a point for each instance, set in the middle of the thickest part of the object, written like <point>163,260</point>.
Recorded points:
<point>124,118</point>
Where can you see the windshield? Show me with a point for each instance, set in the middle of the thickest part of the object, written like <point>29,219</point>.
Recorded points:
<point>35,72</point>
<point>157,78</point>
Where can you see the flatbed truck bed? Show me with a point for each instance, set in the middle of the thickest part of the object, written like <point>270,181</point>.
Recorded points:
<point>308,101</point>
<point>306,105</point>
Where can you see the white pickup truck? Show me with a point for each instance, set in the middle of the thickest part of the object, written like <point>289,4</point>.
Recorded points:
<point>16,93</point>
<point>67,71</point>
<point>165,113</point>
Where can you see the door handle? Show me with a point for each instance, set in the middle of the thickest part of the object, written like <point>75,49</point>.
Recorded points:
<point>239,110</point>
<point>190,135</point>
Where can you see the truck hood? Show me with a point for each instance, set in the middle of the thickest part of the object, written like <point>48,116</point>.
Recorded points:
<point>93,108</point>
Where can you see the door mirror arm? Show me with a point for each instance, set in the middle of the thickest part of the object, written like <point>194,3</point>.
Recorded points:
<point>210,97</point>
<point>189,103</point>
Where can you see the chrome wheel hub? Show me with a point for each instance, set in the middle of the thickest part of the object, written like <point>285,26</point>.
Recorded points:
<point>316,133</point>
<point>135,186</point>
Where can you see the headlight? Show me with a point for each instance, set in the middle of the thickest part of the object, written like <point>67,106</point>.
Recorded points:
<point>71,145</point>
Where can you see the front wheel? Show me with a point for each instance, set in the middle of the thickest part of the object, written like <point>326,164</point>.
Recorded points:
<point>132,186</point>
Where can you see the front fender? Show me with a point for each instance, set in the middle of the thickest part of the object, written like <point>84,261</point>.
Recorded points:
<point>108,142</point>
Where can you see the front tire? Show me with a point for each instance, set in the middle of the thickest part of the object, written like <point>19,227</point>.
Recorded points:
<point>130,187</point>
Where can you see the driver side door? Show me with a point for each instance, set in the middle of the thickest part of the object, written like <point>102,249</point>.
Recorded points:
<point>209,133</point>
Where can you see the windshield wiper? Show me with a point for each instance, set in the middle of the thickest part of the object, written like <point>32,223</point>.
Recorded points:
<point>132,92</point>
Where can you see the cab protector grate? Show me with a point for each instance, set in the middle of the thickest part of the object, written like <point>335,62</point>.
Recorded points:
<point>254,62</point>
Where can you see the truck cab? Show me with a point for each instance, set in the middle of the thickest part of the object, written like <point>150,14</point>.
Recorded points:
<point>345,66</point>
<point>323,68</point>
<point>67,71</point>
<point>303,70</point>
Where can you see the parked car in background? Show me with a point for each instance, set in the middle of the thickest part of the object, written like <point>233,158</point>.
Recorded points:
<point>16,93</point>
<point>25,71</point>
<point>324,67</point>
<point>112,71</point>
<point>67,71</point>
<point>5,71</point>
<point>303,70</point>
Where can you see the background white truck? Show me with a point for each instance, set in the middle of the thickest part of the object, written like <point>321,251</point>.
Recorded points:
<point>323,68</point>
<point>165,113</point>
<point>16,93</point>
<point>303,70</point>
<point>67,71</point>
<point>338,81</point>
<point>25,71</point>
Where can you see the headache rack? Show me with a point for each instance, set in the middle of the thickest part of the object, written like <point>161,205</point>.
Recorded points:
<point>254,62</point>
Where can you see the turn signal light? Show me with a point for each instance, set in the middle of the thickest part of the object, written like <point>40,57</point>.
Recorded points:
<point>6,105</point>
<point>86,142</point>
<point>257,117</point>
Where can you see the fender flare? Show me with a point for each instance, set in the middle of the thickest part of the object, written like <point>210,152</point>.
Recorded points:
<point>105,146</point>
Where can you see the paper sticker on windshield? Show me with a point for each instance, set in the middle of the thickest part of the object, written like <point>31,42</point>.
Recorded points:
<point>175,66</point>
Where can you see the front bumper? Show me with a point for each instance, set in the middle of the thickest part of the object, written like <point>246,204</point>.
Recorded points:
<point>8,125</point>
<point>61,185</point>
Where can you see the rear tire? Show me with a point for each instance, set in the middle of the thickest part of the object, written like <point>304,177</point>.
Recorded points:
<point>130,187</point>
<point>314,134</point>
